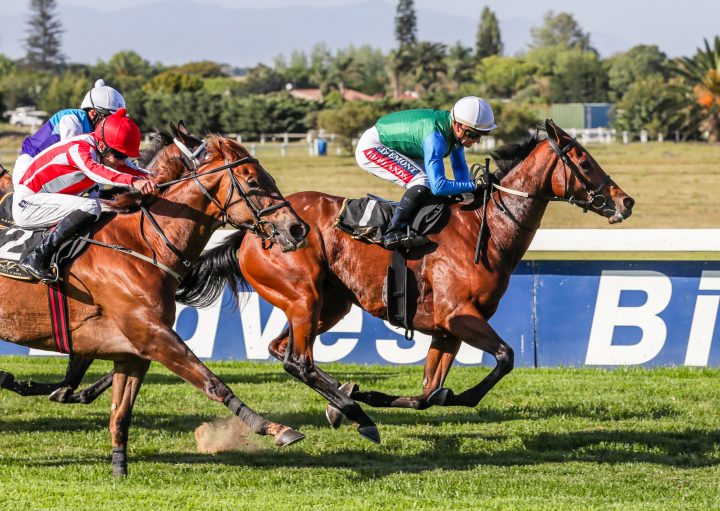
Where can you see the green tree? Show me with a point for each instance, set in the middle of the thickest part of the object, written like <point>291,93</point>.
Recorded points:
<point>430,64</point>
<point>399,64</point>
<point>637,63</point>
<point>262,79</point>
<point>349,121</point>
<point>201,69</point>
<point>488,41</point>
<point>702,76</point>
<point>43,45</point>
<point>23,88</point>
<point>126,71</point>
<point>460,65</point>
<point>560,31</point>
<point>658,106</point>
<point>578,76</point>
<point>514,120</point>
<point>503,77</point>
<point>200,111</point>
<point>170,82</point>
<point>405,23</point>
<point>270,113</point>
<point>64,91</point>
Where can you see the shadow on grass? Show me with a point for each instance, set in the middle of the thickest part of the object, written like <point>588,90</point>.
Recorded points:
<point>686,449</point>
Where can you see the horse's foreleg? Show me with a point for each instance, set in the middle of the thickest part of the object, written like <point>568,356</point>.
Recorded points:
<point>477,332</point>
<point>127,379</point>
<point>76,369</point>
<point>163,345</point>
<point>297,360</point>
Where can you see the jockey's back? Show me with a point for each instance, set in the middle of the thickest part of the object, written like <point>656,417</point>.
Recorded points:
<point>71,167</point>
<point>63,125</point>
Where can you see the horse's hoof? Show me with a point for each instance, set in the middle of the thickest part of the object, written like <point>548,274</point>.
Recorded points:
<point>6,379</point>
<point>333,415</point>
<point>439,396</point>
<point>61,395</point>
<point>370,432</point>
<point>288,437</point>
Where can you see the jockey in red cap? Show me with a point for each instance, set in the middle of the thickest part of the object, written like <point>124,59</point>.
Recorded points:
<point>47,192</point>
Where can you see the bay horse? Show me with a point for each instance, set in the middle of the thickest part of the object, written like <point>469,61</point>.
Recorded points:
<point>316,287</point>
<point>122,308</point>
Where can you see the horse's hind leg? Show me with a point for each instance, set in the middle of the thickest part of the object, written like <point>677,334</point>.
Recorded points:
<point>476,331</point>
<point>76,369</point>
<point>440,357</point>
<point>127,379</point>
<point>73,375</point>
<point>88,394</point>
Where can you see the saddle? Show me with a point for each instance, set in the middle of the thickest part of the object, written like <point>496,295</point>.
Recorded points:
<point>367,218</point>
<point>16,243</point>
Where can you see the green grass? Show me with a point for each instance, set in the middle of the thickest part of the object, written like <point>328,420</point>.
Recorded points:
<point>543,439</point>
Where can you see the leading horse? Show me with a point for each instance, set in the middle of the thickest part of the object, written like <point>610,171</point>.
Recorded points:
<point>316,287</point>
<point>122,308</point>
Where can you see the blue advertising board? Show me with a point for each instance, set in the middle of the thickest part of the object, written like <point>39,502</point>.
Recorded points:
<point>554,313</point>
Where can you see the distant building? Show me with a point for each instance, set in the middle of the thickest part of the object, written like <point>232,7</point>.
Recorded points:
<point>317,95</point>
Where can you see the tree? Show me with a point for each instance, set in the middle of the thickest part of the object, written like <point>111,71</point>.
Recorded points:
<point>429,64</point>
<point>349,121</point>
<point>488,35</point>
<point>503,77</point>
<point>560,31</point>
<point>702,75</point>
<point>578,76</point>
<point>657,106</point>
<point>126,71</point>
<point>405,23</point>
<point>399,63</point>
<point>170,82</point>
<point>637,63</point>
<point>43,40</point>
<point>460,65</point>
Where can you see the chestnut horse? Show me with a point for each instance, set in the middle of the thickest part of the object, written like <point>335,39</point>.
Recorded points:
<point>122,308</point>
<point>316,287</point>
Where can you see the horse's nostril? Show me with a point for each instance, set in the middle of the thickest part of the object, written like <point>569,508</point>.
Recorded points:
<point>298,231</point>
<point>628,202</point>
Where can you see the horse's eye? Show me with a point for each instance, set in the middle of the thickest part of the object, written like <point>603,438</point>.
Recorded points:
<point>586,166</point>
<point>253,183</point>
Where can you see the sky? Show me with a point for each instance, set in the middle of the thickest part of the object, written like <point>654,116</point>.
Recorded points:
<point>677,28</point>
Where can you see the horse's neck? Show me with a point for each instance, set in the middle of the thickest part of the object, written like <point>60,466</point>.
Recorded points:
<point>182,217</point>
<point>532,176</point>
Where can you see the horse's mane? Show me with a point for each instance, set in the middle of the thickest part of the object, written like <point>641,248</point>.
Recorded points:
<point>167,165</point>
<point>508,156</point>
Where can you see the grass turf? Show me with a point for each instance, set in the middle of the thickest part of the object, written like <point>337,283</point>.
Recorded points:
<point>542,439</point>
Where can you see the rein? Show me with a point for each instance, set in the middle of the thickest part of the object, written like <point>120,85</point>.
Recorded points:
<point>491,184</point>
<point>264,229</point>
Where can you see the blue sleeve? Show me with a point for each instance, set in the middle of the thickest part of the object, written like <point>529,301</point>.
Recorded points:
<point>434,147</point>
<point>459,165</point>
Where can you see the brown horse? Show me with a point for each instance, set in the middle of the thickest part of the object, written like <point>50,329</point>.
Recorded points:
<point>6,185</point>
<point>316,287</point>
<point>122,308</point>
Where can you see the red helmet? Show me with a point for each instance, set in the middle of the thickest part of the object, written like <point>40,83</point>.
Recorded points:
<point>120,132</point>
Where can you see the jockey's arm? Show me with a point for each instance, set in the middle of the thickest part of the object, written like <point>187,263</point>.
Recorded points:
<point>434,147</point>
<point>81,156</point>
<point>459,164</point>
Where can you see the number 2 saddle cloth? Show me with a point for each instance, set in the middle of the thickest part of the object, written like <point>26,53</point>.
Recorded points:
<point>16,243</point>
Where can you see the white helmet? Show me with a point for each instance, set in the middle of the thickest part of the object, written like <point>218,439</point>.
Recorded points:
<point>103,98</point>
<point>474,113</point>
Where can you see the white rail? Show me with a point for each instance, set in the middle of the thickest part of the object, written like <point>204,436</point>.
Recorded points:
<point>607,240</point>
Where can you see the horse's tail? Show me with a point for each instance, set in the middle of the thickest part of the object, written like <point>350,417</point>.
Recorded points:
<point>211,272</point>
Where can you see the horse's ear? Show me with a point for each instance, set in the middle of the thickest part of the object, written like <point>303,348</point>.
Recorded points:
<point>551,129</point>
<point>174,130</point>
<point>182,128</point>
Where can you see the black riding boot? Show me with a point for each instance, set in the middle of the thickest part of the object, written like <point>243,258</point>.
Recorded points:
<point>396,234</point>
<point>37,262</point>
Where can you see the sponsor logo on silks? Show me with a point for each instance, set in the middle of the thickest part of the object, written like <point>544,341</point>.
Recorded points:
<point>392,161</point>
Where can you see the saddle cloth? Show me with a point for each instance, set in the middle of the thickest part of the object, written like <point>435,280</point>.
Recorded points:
<point>16,243</point>
<point>367,218</point>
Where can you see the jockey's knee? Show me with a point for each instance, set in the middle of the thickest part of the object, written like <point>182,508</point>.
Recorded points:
<point>92,207</point>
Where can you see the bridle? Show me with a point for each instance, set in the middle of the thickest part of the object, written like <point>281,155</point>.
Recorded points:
<point>264,229</point>
<point>596,200</point>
